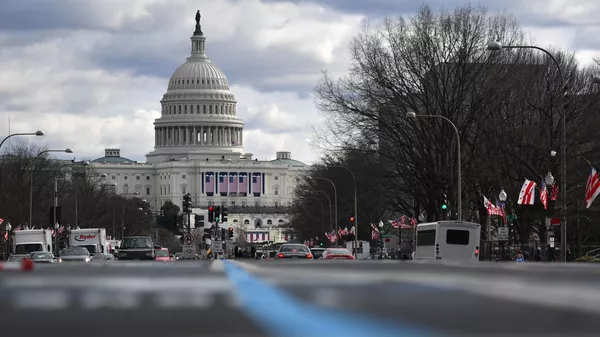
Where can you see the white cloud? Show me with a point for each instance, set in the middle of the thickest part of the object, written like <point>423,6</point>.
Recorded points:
<point>54,83</point>
<point>84,83</point>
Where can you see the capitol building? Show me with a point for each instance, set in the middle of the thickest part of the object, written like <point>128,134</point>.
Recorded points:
<point>199,149</point>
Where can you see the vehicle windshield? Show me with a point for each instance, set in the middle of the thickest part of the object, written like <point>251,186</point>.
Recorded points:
<point>13,258</point>
<point>136,243</point>
<point>294,248</point>
<point>338,251</point>
<point>90,248</point>
<point>162,253</point>
<point>74,251</point>
<point>40,256</point>
<point>28,248</point>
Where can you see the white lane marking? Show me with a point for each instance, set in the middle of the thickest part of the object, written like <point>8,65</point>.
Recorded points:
<point>141,264</point>
<point>41,299</point>
<point>125,283</point>
<point>92,300</point>
<point>217,266</point>
<point>569,295</point>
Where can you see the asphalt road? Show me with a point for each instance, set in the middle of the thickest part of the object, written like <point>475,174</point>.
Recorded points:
<point>301,298</point>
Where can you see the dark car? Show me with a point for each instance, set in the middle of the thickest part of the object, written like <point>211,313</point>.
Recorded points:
<point>294,251</point>
<point>75,254</point>
<point>137,248</point>
<point>317,252</point>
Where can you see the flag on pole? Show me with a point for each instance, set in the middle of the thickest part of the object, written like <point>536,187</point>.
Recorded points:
<point>592,187</point>
<point>527,195</point>
<point>544,195</point>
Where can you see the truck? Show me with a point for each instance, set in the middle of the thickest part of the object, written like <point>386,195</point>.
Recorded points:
<point>32,240</point>
<point>94,239</point>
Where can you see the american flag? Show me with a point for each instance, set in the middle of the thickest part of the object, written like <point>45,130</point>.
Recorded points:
<point>257,236</point>
<point>544,195</point>
<point>256,186</point>
<point>209,183</point>
<point>554,194</point>
<point>413,222</point>
<point>223,182</point>
<point>243,183</point>
<point>491,208</point>
<point>1,221</point>
<point>592,188</point>
<point>233,183</point>
<point>527,195</point>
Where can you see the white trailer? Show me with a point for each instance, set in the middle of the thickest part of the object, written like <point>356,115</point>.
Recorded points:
<point>448,240</point>
<point>32,240</point>
<point>94,239</point>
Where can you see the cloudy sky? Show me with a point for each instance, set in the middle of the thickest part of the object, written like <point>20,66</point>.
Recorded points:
<point>91,72</point>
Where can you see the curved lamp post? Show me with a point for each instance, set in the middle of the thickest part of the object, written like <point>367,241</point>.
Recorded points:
<point>495,45</point>
<point>355,204</point>
<point>411,114</point>
<point>37,133</point>
<point>67,150</point>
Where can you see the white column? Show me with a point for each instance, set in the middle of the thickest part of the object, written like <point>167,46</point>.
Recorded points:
<point>241,136</point>
<point>195,133</point>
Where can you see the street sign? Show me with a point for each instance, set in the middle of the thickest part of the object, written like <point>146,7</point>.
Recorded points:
<point>217,246</point>
<point>189,239</point>
<point>502,233</point>
<point>189,251</point>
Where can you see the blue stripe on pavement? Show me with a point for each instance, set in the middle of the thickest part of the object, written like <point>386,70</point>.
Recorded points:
<point>282,315</point>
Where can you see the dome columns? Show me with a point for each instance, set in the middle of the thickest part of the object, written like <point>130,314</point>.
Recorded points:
<point>199,135</point>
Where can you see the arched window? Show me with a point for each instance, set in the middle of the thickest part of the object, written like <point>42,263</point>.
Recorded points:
<point>246,222</point>
<point>183,188</point>
<point>269,222</point>
<point>276,190</point>
<point>125,189</point>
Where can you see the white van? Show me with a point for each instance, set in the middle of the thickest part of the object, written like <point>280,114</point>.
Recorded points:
<point>448,241</point>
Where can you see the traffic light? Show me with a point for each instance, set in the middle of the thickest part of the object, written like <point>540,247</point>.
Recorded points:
<point>218,214</point>
<point>351,219</point>
<point>444,202</point>
<point>199,220</point>
<point>187,203</point>
<point>224,214</point>
<point>211,214</point>
<point>230,232</point>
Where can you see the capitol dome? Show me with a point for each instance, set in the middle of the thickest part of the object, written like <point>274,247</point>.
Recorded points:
<point>198,115</point>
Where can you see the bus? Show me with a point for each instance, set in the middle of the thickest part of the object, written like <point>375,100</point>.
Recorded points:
<point>448,241</point>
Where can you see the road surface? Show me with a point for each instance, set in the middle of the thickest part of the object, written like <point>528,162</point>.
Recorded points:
<point>302,298</point>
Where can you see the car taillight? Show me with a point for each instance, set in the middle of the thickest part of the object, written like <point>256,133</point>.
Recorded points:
<point>350,257</point>
<point>281,256</point>
<point>309,256</point>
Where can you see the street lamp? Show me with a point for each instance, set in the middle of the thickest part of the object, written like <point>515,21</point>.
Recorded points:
<point>495,45</point>
<point>8,228</point>
<point>412,114</point>
<point>355,204</point>
<point>381,239</point>
<point>56,226</point>
<point>67,150</point>
<point>37,133</point>
<point>502,196</point>
<point>549,179</point>
<point>335,201</point>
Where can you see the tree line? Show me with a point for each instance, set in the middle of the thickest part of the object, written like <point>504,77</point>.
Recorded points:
<point>86,197</point>
<point>506,105</point>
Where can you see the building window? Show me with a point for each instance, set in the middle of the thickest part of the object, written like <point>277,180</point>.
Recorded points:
<point>125,189</point>
<point>147,177</point>
<point>183,176</point>
<point>147,190</point>
<point>257,203</point>
<point>183,189</point>
<point>233,203</point>
<point>276,190</point>
<point>137,178</point>
<point>224,203</point>
<point>114,177</point>
<point>125,177</point>
<point>138,189</point>
<point>246,222</point>
<point>269,222</point>
<point>210,202</point>
<point>276,177</point>
<point>243,203</point>
<point>276,204</point>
